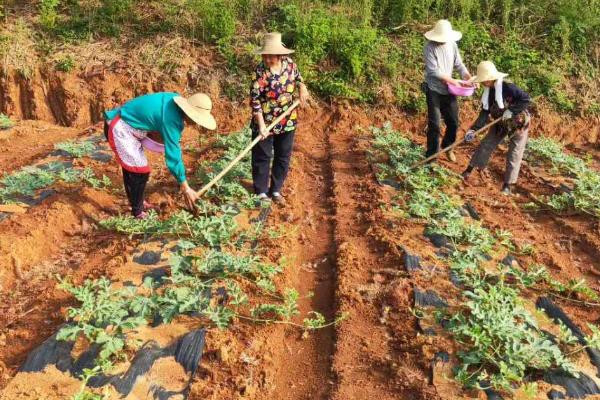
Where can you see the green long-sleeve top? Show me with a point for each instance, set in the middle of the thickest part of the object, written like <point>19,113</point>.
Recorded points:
<point>157,112</point>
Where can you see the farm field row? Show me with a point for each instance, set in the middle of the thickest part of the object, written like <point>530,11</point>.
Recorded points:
<point>338,237</point>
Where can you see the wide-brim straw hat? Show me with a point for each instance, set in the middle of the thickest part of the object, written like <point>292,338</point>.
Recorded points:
<point>486,71</point>
<point>198,108</point>
<point>442,32</point>
<point>272,45</point>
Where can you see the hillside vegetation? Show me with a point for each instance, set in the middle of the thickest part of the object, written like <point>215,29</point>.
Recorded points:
<point>365,50</point>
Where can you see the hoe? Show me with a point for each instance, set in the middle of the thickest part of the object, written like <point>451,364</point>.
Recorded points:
<point>246,150</point>
<point>453,145</point>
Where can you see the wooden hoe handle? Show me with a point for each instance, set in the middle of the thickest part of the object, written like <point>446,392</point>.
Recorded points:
<point>246,150</point>
<point>453,145</point>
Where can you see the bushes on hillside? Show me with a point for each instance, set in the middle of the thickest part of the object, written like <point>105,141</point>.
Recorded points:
<point>215,20</point>
<point>321,36</point>
<point>363,49</point>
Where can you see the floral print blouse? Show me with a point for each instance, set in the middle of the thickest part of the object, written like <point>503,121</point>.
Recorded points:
<point>272,94</point>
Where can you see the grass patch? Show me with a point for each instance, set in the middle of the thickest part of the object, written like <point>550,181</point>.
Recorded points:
<point>367,51</point>
<point>5,122</point>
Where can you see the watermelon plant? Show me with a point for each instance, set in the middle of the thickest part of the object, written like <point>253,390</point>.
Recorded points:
<point>76,149</point>
<point>103,317</point>
<point>29,179</point>
<point>204,229</point>
<point>229,190</point>
<point>24,182</point>
<point>213,276</point>
<point>501,341</point>
<point>584,196</point>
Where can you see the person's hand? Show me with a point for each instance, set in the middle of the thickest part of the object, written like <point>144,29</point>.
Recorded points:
<point>452,81</point>
<point>468,82</point>
<point>470,136</point>
<point>190,196</point>
<point>304,95</point>
<point>264,133</point>
<point>507,115</point>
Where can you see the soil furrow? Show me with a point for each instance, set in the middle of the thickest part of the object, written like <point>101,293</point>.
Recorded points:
<point>55,238</point>
<point>30,141</point>
<point>363,357</point>
<point>302,363</point>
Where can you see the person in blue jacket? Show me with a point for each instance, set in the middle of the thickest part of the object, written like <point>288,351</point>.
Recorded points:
<point>501,99</point>
<point>154,122</point>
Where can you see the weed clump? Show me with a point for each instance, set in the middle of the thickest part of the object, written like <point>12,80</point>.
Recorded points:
<point>5,122</point>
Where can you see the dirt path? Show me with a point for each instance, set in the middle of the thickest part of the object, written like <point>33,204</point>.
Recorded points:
<point>363,360</point>
<point>302,365</point>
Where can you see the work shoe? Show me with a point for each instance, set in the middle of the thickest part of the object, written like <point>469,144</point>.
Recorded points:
<point>506,190</point>
<point>277,197</point>
<point>142,215</point>
<point>149,206</point>
<point>264,198</point>
<point>451,156</point>
<point>467,173</point>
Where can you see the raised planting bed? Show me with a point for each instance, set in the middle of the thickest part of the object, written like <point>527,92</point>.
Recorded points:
<point>478,300</point>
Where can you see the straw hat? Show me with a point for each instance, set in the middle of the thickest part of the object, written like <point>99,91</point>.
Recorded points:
<point>486,71</point>
<point>272,45</point>
<point>442,32</point>
<point>198,108</point>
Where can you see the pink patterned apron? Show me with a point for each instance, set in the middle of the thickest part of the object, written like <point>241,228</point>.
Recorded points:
<point>126,143</point>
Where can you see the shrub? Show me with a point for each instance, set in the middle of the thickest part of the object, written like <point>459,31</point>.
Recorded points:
<point>65,64</point>
<point>410,98</point>
<point>5,122</point>
<point>215,20</point>
<point>320,35</point>
<point>48,13</point>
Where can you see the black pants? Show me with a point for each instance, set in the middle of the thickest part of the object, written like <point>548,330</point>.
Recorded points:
<point>440,106</point>
<point>135,184</point>
<point>262,154</point>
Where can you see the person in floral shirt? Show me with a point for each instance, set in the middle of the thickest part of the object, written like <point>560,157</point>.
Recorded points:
<point>276,80</point>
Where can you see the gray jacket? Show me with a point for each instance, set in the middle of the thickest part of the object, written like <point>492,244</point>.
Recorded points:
<point>441,59</point>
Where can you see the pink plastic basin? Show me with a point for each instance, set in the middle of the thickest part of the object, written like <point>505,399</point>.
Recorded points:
<point>153,145</point>
<point>460,91</point>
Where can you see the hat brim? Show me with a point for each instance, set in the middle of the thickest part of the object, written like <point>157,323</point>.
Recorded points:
<point>201,117</point>
<point>453,36</point>
<point>281,51</point>
<point>484,78</point>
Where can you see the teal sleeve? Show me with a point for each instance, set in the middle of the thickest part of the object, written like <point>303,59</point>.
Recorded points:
<point>110,114</point>
<point>171,136</point>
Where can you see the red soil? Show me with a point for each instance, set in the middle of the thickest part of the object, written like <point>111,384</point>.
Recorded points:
<point>346,250</point>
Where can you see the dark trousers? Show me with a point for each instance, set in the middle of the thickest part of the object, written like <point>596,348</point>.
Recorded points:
<point>135,184</point>
<point>262,154</point>
<point>440,106</point>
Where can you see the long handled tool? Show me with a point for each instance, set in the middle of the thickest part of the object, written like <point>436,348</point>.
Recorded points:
<point>453,145</point>
<point>246,150</point>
